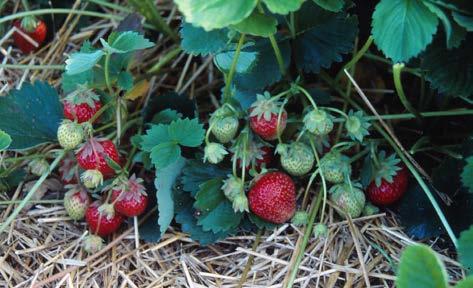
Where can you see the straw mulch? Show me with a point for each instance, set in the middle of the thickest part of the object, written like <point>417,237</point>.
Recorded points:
<point>42,248</point>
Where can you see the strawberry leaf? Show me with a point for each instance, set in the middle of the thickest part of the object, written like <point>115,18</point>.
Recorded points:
<point>31,115</point>
<point>130,41</point>
<point>260,223</point>
<point>125,80</point>
<point>197,41</point>
<point>81,62</point>
<point>465,250</point>
<point>324,37</point>
<point>196,172</point>
<point>154,136</point>
<point>164,182</point>
<point>210,195</point>
<point>283,6</point>
<point>220,219</point>
<point>463,20</point>
<point>257,24</point>
<point>420,267</point>
<point>215,14</point>
<point>331,5</point>
<point>5,140</point>
<point>465,283</point>
<point>186,132</point>
<point>403,28</point>
<point>467,174</point>
<point>246,61</point>
<point>165,154</point>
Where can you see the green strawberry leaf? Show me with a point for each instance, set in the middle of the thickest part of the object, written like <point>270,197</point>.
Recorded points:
<point>257,24</point>
<point>164,182</point>
<point>465,283</point>
<point>420,267</point>
<point>260,223</point>
<point>196,172</point>
<point>215,14</point>
<point>466,21</point>
<point>220,219</point>
<point>5,140</point>
<point>166,116</point>
<point>246,61</point>
<point>455,34</point>
<point>197,41</point>
<point>324,38</point>
<point>465,249</point>
<point>266,70</point>
<point>130,41</point>
<point>154,136</point>
<point>209,195</point>
<point>403,28</point>
<point>31,115</point>
<point>331,5</point>
<point>11,180</point>
<point>186,132</point>
<point>171,100</point>
<point>245,97</point>
<point>80,62</point>
<point>467,174</point>
<point>283,6</point>
<point>439,62</point>
<point>165,154</point>
<point>125,80</point>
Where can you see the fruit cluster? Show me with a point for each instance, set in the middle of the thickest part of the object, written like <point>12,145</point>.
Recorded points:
<point>100,160</point>
<point>302,144</point>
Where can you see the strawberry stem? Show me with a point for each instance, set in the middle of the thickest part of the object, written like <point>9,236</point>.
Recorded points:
<point>231,73</point>
<point>26,5</point>
<point>324,184</point>
<point>397,68</point>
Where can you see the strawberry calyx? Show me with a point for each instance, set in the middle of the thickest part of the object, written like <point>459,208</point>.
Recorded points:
<point>255,154</point>
<point>107,210</point>
<point>318,122</point>
<point>76,190</point>
<point>232,187</point>
<point>357,125</point>
<point>82,95</point>
<point>385,168</point>
<point>29,24</point>
<point>67,170</point>
<point>130,189</point>
<point>93,147</point>
<point>265,106</point>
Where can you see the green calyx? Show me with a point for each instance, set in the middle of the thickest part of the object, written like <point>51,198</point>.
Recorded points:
<point>232,187</point>
<point>318,122</point>
<point>214,153</point>
<point>370,209</point>
<point>240,203</point>
<point>264,106</point>
<point>296,158</point>
<point>92,178</point>
<point>320,231</point>
<point>300,218</point>
<point>335,167</point>
<point>29,24</point>
<point>348,198</point>
<point>81,95</point>
<point>38,167</point>
<point>386,168</point>
<point>357,126</point>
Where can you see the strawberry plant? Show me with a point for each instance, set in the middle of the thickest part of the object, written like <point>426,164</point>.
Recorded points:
<point>301,124</point>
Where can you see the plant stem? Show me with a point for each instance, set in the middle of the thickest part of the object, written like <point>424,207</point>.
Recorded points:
<point>26,5</point>
<point>53,201</point>
<point>32,191</point>
<point>231,73</point>
<point>107,73</point>
<point>397,68</point>
<point>164,60</point>
<point>251,258</point>
<point>277,53</point>
<point>355,58</point>
<point>289,281</point>
<point>100,112</point>
<point>292,25</point>
<point>32,67</point>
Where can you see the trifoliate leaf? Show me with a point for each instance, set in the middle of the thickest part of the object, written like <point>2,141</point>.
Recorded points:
<point>420,267</point>
<point>331,5</point>
<point>215,14</point>
<point>31,115</point>
<point>81,62</point>
<point>164,154</point>
<point>467,174</point>
<point>125,80</point>
<point>166,117</point>
<point>164,183</point>
<point>156,135</point>
<point>197,41</point>
<point>403,28</point>
<point>196,172</point>
<point>283,6</point>
<point>324,38</point>
<point>463,20</point>
<point>209,195</point>
<point>220,219</point>
<point>187,132</point>
<point>5,140</point>
<point>439,62</point>
<point>246,61</point>
<point>257,24</point>
<point>130,41</point>
<point>465,250</point>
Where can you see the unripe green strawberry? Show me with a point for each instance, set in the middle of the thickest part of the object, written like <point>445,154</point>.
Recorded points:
<point>300,218</point>
<point>69,134</point>
<point>93,244</point>
<point>370,209</point>
<point>318,122</point>
<point>320,231</point>
<point>232,187</point>
<point>76,202</point>
<point>92,178</point>
<point>224,125</point>
<point>350,200</point>
<point>335,167</point>
<point>38,166</point>
<point>296,158</point>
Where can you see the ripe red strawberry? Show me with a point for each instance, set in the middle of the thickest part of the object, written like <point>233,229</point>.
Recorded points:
<point>81,105</point>
<point>129,197</point>
<point>273,197</point>
<point>264,113</point>
<point>102,219</point>
<point>386,192</point>
<point>34,28</point>
<point>93,154</point>
<point>76,202</point>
